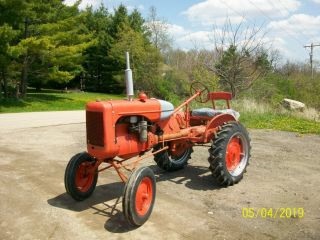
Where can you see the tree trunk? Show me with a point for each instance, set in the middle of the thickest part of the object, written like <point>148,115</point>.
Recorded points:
<point>17,93</point>
<point>5,84</point>
<point>233,90</point>
<point>24,77</point>
<point>1,89</point>
<point>24,71</point>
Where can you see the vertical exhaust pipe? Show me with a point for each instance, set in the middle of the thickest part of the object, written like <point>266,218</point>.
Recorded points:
<point>128,79</point>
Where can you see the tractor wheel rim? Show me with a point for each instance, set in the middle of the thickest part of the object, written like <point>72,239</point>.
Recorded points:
<point>84,177</point>
<point>144,196</point>
<point>181,158</point>
<point>237,154</point>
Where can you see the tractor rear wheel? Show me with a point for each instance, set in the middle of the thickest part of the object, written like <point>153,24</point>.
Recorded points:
<point>169,161</point>
<point>80,179</point>
<point>139,196</point>
<point>229,154</point>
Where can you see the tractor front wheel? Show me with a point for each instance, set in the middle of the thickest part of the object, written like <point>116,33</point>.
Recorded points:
<point>139,196</point>
<point>80,179</point>
<point>229,154</point>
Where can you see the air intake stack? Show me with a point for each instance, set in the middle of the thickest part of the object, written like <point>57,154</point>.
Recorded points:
<point>128,79</point>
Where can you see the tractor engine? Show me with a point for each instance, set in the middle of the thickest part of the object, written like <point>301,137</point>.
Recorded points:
<point>125,128</point>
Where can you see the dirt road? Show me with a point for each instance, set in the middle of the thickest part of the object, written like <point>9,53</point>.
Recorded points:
<point>284,172</point>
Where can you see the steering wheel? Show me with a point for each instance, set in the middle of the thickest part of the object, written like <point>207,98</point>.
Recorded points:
<point>203,89</point>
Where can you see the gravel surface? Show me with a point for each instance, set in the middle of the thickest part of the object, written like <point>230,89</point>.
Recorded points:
<point>283,172</point>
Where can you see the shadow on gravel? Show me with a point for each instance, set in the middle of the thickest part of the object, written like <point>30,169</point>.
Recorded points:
<point>102,195</point>
<point>193,177</point>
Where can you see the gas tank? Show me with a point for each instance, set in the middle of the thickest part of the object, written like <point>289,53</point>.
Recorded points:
<point>153,109</point>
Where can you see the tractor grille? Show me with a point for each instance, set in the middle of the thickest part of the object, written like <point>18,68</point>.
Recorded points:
<point>95,132</point>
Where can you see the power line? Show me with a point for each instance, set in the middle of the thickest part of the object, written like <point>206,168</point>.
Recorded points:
<point>294,37</point>
<point>275,7</point>
<point>237,12</point>
<point>311,46</point>
<point>285,7</point>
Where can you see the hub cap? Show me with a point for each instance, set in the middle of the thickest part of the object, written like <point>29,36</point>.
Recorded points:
<point>144,196</point>
<point>84,178</point>
<point>236,155</point>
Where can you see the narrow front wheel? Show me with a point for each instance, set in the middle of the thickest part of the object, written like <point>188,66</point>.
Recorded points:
<point>139,196</point>
<point>80,178</point>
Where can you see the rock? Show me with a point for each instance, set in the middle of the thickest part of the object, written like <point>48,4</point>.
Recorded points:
<point>293,104</point>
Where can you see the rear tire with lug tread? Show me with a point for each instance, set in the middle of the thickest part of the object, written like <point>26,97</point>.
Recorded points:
<point>229,154</point>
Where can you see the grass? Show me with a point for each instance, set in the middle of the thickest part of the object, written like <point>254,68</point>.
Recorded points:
<point>279,122</point>
<point>263,116</point>
<point>52,101</point>
<point>253,115</point>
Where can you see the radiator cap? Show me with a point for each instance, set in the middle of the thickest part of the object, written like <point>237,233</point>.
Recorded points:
<point>142,96</point>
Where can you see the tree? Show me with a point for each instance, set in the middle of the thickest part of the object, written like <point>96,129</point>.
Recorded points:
<point>49,43</point>
<point>145,58</point>
<point>45,42</point>
<point>137,22</point>
<point>114,34</point>
<point>239,58</point>
<point>120,20</point>
<point>6,36</point>
<point>60,42</point>
<point>158,31</point>
<point>97,64</point>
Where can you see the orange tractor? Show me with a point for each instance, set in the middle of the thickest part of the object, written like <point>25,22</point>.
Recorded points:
<point>121,133</point>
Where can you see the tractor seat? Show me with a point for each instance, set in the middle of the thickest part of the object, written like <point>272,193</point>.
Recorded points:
<point>209,112</point>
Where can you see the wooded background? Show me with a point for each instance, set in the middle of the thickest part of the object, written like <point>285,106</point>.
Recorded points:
<point>46,44</point>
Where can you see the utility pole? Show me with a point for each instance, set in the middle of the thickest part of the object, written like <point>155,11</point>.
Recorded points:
<point>311,46</point>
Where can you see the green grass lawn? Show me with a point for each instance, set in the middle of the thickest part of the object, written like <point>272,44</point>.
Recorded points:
<point>56,101</point>
<point>279,122</point>
<point>52,101</point>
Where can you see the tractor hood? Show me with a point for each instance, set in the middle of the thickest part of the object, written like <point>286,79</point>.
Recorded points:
<point>153,109</point>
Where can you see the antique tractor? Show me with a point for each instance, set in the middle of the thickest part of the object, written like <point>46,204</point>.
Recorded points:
<point>120,133</point>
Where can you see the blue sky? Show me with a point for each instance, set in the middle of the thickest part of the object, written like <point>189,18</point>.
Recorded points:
<point>289,24</point>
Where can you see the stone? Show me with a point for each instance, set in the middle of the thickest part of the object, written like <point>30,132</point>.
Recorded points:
<point>293,105</point>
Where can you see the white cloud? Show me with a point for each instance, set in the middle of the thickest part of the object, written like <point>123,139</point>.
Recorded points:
<point>84,3</point>
<point>186,39</point>
<point>316,1</point>
<point>69,2</point>
<point>298,25</point>
<point>176,30</point>
<point>110,4</point>
<point>139,7</point>
<point>199,39</point>
<point>215,11</point>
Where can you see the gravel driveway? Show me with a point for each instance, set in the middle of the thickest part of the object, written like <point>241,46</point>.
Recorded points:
<point>35,148</point>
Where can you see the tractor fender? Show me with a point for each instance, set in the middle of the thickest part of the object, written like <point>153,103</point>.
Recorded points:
<point>217,121</point>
